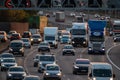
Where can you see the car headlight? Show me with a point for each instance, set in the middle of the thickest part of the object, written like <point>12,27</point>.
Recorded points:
<point>73,42</point>
<point>94,78</point>
<point>103,49</point>
<point>9,74</point>
<point>24,74</point>
<point>89,48</point>
<point>58,74</point>
<point>47,74</point>
<point>84,42</point>
<point>39,39</point>
<point>10,49</point>
<point>76,67</point>
<point>111,78</point>
<point>21,49</point>
<point>31,39</point>
<point>114,38</point>
<point>2,65</point>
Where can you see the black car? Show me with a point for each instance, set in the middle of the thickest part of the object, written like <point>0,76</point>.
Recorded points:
<point>26,34</point>
<point>36,60</point>
<point>16,72</point>
<point>36,38</point>
<point>7,63</point>
<point>68,49</point>
<point>81,66</point>
<point>44,46</point>
<point>16,47</point>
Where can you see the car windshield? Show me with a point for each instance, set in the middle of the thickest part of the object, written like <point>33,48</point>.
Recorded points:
<point>31,78</point>
<point>68,47</point>
<point>102,73</point>
<point>47,58</point>
<point>65,37</point>
<point>82,62</point>
<point>52,68</point>
<point>78,32</point>
<point>7,56</point>
<point>35,36</point>
<point>16,45</point>
<point>16,69</point>
<point>44,44</point>
<point>9,60</point>
<point>25,40</point>
<point>49,37</point>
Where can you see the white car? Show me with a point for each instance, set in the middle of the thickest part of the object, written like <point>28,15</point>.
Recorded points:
<point>26,42</point>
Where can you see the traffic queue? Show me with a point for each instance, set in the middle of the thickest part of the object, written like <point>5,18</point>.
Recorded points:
<point>87,35</point>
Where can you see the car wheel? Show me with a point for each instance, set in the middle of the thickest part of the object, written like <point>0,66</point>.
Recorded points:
<point>63,54</point>
<point>73,54</point>
<point>38,50</point>
<point>74,72</point>
<point>1,69</point>
<point>22,54</point>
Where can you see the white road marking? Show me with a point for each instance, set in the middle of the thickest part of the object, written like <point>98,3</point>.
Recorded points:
<point>107,54</point>
<point>25,61</point>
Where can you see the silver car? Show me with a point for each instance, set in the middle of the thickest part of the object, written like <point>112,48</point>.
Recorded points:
<point>44,60</point>
<point>26,42</point>
<point>52,71</point>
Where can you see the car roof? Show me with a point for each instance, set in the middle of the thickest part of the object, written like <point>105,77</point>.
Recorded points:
<point>101,65</point>
<point>14,41</point>
<point>52,65</point>
<point>16,67</point>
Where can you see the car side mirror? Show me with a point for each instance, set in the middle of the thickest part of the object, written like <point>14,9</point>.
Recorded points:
<point>113,75</point>
<point>90,75</point>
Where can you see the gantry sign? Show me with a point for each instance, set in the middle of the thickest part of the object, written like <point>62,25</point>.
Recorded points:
<point>50,3</point>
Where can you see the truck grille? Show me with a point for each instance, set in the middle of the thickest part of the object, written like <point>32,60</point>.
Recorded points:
<point>96,46</point>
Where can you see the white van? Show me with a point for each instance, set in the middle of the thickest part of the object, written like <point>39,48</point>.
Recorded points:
<point>100,71</point>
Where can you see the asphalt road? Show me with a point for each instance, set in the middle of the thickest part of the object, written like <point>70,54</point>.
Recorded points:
<point>66,62</point>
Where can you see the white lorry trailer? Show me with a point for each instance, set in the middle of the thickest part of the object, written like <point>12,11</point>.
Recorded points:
<point>51,36</point>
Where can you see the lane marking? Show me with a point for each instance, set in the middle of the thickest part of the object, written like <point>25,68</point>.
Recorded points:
<point>107,54</point>
<point>25,60</point>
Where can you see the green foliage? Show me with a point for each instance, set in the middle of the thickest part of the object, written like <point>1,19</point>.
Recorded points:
<point>15,15</point>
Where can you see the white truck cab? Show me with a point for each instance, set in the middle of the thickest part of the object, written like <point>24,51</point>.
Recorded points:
<point>100,71</point>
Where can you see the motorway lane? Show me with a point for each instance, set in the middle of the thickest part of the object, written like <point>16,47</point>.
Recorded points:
<point>19,60</point>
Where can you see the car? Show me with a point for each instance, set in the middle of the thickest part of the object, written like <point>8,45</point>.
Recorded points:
<point>97,16</point>
<point>15,36</point>
<point>31,77</point>
<point>7,63</point>
<point>26,42</point>
<point>44,46</point>
<point>52,71</point>
<point>26,34</point>
<point>16,47</point>
<point>116,38</point>
<point>72,14</point>
<point>16,72</point>
<point>44,60</point>
<point>6,55</point>
<point>68,49</point>
<point>65,39</point>
<point>10,33</point>
<point>36,60</point>
<point>36,38</point>
<point>3,36</point>
<point>81,66</point>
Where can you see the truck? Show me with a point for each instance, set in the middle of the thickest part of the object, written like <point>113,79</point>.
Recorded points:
<point>116,30</point>
<point>51,36</point>
<point>60,17</point>
<point>79,34</point>
<point>96,42</point>
<point>100,71</point>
